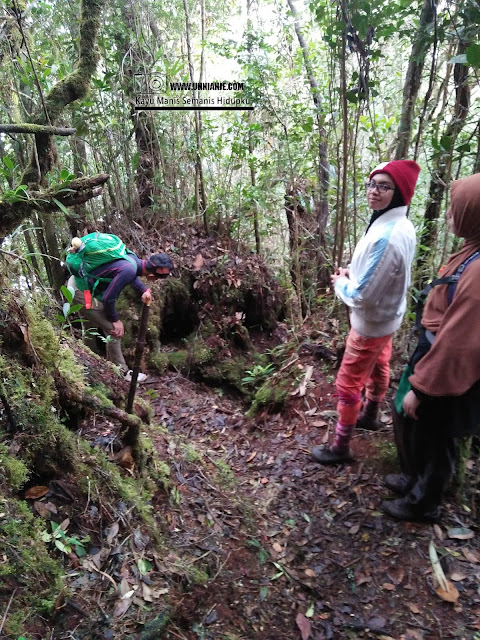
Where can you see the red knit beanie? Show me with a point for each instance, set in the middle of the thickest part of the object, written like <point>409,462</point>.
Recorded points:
<point>404,173</point>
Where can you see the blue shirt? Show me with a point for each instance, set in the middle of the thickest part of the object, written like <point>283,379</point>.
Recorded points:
<point>120,273</point>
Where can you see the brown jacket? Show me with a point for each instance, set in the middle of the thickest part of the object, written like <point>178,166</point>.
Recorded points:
<point>452,365</point>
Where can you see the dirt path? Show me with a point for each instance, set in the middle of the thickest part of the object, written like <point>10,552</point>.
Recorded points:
<point>293,549</point>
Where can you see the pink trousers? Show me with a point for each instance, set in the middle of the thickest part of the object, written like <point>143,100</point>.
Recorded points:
<point>365,365</point>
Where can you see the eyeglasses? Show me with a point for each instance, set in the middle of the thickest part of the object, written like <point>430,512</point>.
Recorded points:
<point>381,187</point>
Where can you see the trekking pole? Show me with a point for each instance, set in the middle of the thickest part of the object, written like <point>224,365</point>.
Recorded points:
<point>142,334</point>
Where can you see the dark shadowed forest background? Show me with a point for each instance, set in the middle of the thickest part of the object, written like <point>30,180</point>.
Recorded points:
<point>199,514</point>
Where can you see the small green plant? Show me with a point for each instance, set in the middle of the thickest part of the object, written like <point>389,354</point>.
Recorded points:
<point>19,194</point>
<point>63,542</point>
<point>68,309</point>
<point>263,555</point>
<point>258,374</point>
<point>175,495</point>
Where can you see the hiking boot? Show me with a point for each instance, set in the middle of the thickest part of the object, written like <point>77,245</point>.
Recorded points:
<point>398,483</point>
<point>332,455</point>
<point>140,378</point>
<point>367,418</point>
<point>402,509</point>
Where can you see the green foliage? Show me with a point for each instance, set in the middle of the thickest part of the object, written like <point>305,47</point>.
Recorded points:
<point>65,543</point>
<point>258,374</point>
<point>38,576</point>
<point>263,555</point>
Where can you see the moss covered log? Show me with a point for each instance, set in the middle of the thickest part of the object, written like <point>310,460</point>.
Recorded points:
<point>28,127</point>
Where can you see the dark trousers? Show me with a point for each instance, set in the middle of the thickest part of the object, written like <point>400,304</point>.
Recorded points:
<point>426,452</point>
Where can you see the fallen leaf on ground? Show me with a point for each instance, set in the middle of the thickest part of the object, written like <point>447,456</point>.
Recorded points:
<point>450,594</point>
<point>112,532</point>
<point>198,262</point>
<point>413,607</point>
<point>251,457</point>
<point>396,574</point>
<point>121,607</point>
<point>412,634</point>
<point>471,556</point>
<point>388,586</point>
<point>319,423</point>
<point>310,573</point>
<point>361,578</point>
<point>304,625</point>
<point>36,492</point>
<point>277,547</point>
<point>377,622</point>
<point>125,458</point>
<point>264,480</point>
<point>45,509</point>
<point>457,576</point>
<point>438,532</point>
<point>460,533</point>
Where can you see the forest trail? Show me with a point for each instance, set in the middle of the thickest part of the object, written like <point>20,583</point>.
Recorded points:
<point>290,549</point>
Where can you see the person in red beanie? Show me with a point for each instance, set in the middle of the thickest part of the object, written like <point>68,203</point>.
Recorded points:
<point>374,286</point>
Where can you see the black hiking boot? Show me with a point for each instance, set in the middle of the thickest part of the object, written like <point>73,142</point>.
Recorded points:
<point>398,483</point>
<point>402,509</point>
<point>332,455</point>
<point>367,418</point>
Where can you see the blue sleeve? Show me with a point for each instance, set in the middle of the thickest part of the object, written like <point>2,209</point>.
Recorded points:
<point>373,282</point>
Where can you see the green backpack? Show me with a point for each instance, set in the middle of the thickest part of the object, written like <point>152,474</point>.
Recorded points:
<point>91,251</point>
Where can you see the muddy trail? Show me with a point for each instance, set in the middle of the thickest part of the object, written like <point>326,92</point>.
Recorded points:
<point>261,542</point>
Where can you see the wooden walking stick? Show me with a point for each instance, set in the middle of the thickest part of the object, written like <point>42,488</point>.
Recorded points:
<point>140,346</point>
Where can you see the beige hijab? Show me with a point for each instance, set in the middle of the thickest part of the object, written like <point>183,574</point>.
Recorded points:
<point>452,365</point>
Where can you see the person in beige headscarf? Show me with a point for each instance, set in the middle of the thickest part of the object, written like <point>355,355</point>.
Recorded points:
<point>444,401</point>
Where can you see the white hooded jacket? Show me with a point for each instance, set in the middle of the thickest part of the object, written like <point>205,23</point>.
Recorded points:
<point>379,277</point>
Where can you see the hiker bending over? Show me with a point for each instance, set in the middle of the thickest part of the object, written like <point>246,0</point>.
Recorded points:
<point>374,287</point>
<point>104,284</point>
<point>444,400</point>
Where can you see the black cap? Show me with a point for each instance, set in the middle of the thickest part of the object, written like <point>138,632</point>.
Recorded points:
<point>160,264</point>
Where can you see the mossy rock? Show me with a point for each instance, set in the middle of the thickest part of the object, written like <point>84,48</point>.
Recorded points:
<point>270,396</point>
<point>228,373</point>
<point>158,361</point>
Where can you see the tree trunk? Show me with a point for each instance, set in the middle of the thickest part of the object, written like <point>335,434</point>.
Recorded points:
<point>420,48</point>
<point>442,166</point>
<point>50,226</point>
<point>32,251</point>
<point>321,204</point>
<point>200,190</point>
<point>253,178</point>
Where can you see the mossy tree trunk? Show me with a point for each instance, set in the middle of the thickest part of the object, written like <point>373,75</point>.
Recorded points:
<point>73,87</point>
<point>138,59</point>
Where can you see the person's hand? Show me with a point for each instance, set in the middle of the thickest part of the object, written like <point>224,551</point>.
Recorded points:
<point>410,405</point>
<point>340,272</point>
<point>147,297</point>
<point>118,330</point>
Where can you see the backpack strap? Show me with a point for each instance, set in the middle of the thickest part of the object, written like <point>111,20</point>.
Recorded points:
<point>451,281</point>
<point>453,285</point>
